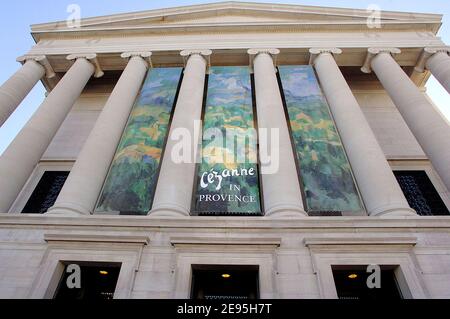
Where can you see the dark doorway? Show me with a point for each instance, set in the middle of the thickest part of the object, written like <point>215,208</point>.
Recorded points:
<point>351,283</point>
<point>225,282</point>
<point>98,281</point>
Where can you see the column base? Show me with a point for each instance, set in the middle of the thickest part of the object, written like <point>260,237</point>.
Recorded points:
<point>393,211</point>
<point>286,211</point>
<point>67,209</point>
<point>169,211</point>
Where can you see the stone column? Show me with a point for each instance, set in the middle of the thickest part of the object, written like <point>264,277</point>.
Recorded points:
<point>281,189</point>
<point>173,194</point>
<point>17,87</point>
<point>429,127</point>
<point>21,157</point>
<point>82,187</point>
<point>380,190</point>
<point>437,60</point>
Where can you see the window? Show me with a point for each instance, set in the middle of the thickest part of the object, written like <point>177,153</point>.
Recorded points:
<point>224,282</point>
<point>420,193</point>
<point>351,283</point>
<point>46,192</point>
<point>97,281</point>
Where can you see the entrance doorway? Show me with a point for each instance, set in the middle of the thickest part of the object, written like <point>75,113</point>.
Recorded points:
<point>218,282</point>
<point>96,281</point>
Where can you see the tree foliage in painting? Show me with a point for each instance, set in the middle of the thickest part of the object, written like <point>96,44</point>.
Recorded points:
<point>229,111</point>
<point>131,182</point>
<point>324,168</point>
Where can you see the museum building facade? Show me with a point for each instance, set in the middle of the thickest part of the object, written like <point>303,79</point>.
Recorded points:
<point>229,151</point>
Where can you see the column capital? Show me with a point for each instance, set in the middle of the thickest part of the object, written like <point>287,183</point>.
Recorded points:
<point>146,55</point>
<point>253,53</point>
<point>204,53</point>
<point>315,52</point>
<point>427,53</point>
<point>42,60</point>
<point>91,57</point>
<point>372,52</point>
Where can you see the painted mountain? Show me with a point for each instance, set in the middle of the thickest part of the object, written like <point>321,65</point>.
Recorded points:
<point>131,182</point>
<point>325,171</point>
<point>229,150</point>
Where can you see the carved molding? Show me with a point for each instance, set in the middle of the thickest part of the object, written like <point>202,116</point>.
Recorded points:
<point>91,57</point>
<point>175,241</point>
<point>427,53</point>
<point>372,52</point>
<point>315,52</point>
<point>42,60</point>
<point>142,240</point>
<point>321,241</point>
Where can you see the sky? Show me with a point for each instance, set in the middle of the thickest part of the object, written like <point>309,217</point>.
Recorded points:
<point>17,16</point>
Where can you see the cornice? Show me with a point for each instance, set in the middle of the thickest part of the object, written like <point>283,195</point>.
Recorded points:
<point>214,28</point>
<point>230,6</point>
<point>416,223</point>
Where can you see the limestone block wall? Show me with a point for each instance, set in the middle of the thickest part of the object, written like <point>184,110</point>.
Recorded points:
<point>294,257</point>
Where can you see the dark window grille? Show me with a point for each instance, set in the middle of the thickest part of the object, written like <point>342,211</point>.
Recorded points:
<point>420,193</point>
<point>46,192</point>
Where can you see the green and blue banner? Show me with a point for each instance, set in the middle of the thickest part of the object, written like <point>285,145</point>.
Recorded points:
<point>324,170</point>
<point>228,178</point>
<point>131,182</point>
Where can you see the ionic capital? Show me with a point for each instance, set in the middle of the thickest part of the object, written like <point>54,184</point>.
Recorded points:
<point>91,57</point>
<point>315,52</point>
<point>146,55</point>
<point>204,53</point>
<point>42,60</point>
<point>253,53</point>
<point>426,54</point>
<point>372,52</point>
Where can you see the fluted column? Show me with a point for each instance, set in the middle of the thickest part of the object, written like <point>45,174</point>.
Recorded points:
<point>173,195</point>
<point>379,188</point>
<point>23,154</point>
<point>437,60</point>
<point>429,127</point>
<point>281,189</point>
<point>82,187</point>
<point>17,87</point>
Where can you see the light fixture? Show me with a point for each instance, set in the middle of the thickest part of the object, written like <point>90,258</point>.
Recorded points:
<point>103,272</point>
<point>226,276</point>
<point>353,276</point>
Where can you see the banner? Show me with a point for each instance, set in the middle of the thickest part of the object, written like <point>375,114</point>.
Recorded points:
<point>228,181</point>
<point>323,166</point>
<point>130,185</point>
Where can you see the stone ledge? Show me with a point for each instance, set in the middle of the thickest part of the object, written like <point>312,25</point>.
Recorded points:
<point>316,241</point>
<point>143,240</point>
<point>349,222</point>
<point>224,241</point>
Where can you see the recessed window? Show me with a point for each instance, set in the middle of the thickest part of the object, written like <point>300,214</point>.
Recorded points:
<point>225,282</point>
<point>352,283</point>
<point>420,193</point>
<point>96,281</point>
<point>46,192</point>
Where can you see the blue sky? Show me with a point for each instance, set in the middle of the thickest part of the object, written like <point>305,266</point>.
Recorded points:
<point>17,16</point>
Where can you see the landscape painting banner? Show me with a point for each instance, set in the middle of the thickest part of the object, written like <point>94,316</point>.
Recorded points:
<point>131,181</point>
<point>323,166</point>
<point>228,181</point>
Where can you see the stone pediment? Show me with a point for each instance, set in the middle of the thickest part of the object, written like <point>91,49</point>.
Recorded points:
<point>226,14</point>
